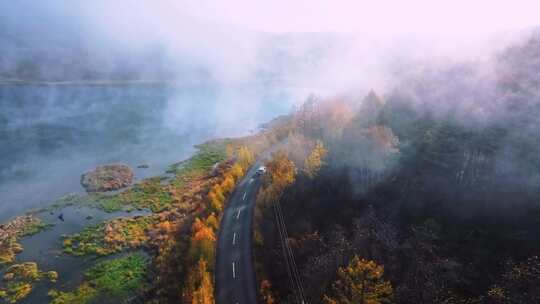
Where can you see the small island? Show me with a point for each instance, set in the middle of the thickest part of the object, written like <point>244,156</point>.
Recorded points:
<point>107,178</point>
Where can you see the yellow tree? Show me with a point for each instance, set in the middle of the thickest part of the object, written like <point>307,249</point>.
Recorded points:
<point>281,173</point>
<point>202,242</point>
<point>217,198</point>
<point>245,157</point>
<point>212,221</point>
<point>282,170</point>
<point>315,160</point>
<point>228,183</point>
<point>200,289</point>
<point>360,282</point>
<point>236,172</point>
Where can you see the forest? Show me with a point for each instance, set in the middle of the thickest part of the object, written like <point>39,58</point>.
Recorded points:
<point>390,199</point>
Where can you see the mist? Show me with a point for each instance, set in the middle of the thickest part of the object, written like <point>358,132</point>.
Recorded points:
<point>83,84</point>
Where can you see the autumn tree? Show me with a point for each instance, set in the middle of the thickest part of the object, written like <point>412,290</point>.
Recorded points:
<point>199,289</point>
<point>229,151</point>
<point>245,157</point>
<point>219,191</point>
<point>315,160</point>
<point>281,173</point>
<point>217,198</point>
<point>236,172</point>
<point>282,170</point>
<point>266,292</point>
<point>212,221</point>
<point>360,282</point>
<point>202,242</point>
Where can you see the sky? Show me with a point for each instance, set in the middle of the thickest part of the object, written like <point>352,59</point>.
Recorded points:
<point>381,17</point>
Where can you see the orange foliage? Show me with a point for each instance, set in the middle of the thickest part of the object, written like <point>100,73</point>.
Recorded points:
<point>199,287</point>
<point>191,257</point>
<point>266,292</point>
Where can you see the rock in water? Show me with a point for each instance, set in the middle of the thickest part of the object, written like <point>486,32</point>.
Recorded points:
<point>107,178</point>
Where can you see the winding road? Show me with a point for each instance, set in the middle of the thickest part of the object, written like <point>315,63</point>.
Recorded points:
<point>234,273</point>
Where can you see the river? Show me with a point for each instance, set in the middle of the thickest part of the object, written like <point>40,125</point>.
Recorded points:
<point>50,134</point>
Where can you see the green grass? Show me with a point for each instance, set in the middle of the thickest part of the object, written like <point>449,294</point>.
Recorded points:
<point>148,194</point>
<point>207,155</point>
<point>127,233</point>
<point>34,228</point>
<point>88,242</point>
<point>117,278</point>
<point>19,280</point>
<point>82,295</point>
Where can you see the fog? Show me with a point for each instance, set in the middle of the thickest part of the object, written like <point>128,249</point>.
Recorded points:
<point>86,83</point>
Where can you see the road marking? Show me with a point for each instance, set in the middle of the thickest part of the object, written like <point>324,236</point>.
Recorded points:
<point>238,215</point>
<point>233,271</point>
<point>251,180</point>
<point>234,239</point>
<point>244,197</point>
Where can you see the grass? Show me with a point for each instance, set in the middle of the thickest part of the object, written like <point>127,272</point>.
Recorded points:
<point>117,278</point>
<point>8,250</point>
<point>90,241</point>
<point>150,193</point>
<point>19,279</point>
<point>82,295</point>
<point>208,154</point>
<point>16,291</point>
<point>34,228</point>
<point>17,228</point>
<point>109,237</point>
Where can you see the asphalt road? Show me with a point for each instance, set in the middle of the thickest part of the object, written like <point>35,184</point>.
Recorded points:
<point>234,273</point>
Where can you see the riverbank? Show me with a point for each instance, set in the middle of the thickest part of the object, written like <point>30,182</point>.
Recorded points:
<point>84,229</point>
<point>164,216</point>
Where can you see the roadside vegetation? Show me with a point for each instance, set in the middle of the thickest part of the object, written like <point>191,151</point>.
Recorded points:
<point>179,235</point>
<point>208,155</point>
<point>298,152</point>
<point>199,261</point>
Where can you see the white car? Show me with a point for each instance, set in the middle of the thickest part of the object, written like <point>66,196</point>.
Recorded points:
<point>261,170</point>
